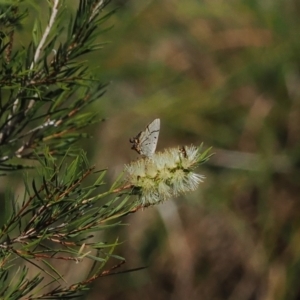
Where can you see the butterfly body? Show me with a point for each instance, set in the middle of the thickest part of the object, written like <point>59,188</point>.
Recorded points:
<point>146,141</point>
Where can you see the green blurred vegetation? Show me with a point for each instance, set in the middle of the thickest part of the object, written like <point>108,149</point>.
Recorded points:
<point>226,73</point>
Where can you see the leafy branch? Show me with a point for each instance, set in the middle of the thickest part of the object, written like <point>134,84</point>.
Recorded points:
<point>55,222</point>
<point>44,87</point>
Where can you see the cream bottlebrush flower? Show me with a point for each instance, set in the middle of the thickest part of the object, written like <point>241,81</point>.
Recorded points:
<point>165,174</point>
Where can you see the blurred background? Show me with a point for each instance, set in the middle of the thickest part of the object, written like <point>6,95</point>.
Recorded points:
<point>225,73</point>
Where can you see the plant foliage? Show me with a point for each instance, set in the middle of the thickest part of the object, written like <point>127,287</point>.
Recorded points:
<point>44,89</point>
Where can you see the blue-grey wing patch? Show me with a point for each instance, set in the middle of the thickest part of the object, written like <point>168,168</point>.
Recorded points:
<point>146,141</point>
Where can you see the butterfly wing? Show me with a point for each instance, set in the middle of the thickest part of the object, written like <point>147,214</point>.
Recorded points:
<point>146,141</point>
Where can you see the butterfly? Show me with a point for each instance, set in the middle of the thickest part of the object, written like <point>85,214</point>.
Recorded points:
<point>145,142</point>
